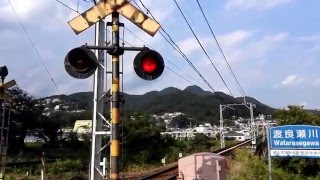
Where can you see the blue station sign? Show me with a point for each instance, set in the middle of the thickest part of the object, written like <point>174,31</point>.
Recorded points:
<point>295,140</point>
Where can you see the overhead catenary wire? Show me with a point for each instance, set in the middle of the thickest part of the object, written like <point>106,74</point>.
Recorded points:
<point>124,40</point>
<point>220,49</point>
<point>34,47</point>
<point>68,6</point>
<point>163,55</point>
<point>165,58</point>
<point>224,82</point>
<point>177,48</point>
<point>135,2</point>
<point>179,75</point>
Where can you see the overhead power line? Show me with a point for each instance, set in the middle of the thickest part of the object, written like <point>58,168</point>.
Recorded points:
<point>34,47</point>
<point>220,49</point>
<point>179,75</point>
<point>68,6</point>
<point>131,33</point>
<point>165,58</point>
<point>177,48</point>
<point>202,47</point>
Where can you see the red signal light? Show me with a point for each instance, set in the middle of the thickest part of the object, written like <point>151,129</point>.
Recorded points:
<point>148,64</point>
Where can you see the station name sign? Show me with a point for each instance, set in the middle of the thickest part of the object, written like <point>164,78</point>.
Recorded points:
<point>295,140</point>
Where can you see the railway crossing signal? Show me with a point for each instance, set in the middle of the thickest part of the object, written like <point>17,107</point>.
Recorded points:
<point>105,8</point>
<point>4,125</point>
<point>3,89</point>
<point>3,72</point>
<point>5,86</point>
<point>148,64</point>
<point>81,63</point>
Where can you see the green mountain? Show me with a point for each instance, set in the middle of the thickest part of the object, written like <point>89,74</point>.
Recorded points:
<point>196,103</point>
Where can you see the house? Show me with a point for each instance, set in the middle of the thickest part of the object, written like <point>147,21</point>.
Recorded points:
<point>189,133</point>
<point>236,136</point>
<point>82,126</point>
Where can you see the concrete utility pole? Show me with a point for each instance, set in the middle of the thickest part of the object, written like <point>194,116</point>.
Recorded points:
<point>115,101</point>
<point>222,138</point>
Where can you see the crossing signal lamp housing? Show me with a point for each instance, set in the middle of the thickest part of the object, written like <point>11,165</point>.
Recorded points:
<point>80,63</point>
<point>3,72</point>
<point>148,64</point>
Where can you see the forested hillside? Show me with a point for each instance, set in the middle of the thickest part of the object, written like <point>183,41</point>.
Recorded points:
<point>193,101</point>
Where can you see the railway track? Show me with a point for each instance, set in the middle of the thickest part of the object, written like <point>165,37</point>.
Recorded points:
<point>170,171</point>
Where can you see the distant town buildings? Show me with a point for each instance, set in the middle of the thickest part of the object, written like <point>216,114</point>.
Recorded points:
<point>56,104</point>
<point>239,131</point>
<point>189,133</point>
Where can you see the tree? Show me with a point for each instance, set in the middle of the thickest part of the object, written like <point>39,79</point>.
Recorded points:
<point>200,142</point>
<point>296,115</point>
<point>25,114</point>
<point>142,140</point>
<point>182,121</point>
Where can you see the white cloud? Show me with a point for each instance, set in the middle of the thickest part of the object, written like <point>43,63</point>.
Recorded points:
<point>316,82</point>
<point>190,44</point>
<point>292,79</point>
<point>254,4</point>
<point>304,104</point>
<point>313,38</point>
<point>25,9</point>
<point>234,38</point>
<point>260,48</point>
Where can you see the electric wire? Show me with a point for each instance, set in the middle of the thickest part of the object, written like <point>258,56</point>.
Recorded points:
<point>179,75</point>
<point>34,47</point>
<point>220,49</point>
<point>67,6</point>
<point>177,48</point>
<point>166,58</point>
<point>202,47</point>
<point>163,55</point>
<point>135,2</point>
<point>123,39</point>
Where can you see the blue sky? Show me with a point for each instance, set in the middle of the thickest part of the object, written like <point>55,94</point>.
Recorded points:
<point>272,46</point>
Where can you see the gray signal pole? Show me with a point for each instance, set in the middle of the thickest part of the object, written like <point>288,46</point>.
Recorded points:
<point>96,171</point>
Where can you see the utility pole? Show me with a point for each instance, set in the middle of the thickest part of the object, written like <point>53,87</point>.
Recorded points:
<point>222,138</point>
<point>253,130</point>
<point>115,100</point>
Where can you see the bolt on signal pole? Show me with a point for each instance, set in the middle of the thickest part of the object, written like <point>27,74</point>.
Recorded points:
<point>115,102</point>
